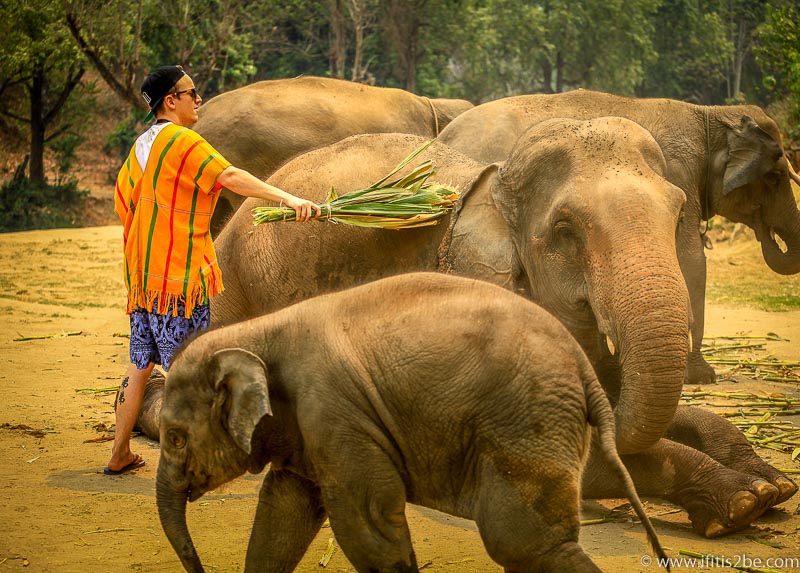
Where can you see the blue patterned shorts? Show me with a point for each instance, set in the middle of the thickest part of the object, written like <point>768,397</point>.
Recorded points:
<point>156,337</point>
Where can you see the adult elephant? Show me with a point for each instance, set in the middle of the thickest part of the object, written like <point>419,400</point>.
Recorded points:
<point>582,221</point>
<point>729,160</point>
<point>261,126</point>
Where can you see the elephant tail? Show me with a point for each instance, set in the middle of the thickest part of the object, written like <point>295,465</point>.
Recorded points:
<point>602,416</point>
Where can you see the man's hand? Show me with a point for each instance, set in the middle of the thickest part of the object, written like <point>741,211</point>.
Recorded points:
<point>305,209</point>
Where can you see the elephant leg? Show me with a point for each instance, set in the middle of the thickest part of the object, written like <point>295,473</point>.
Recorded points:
<point>366,500</point>
<point>718,438</point>
<point>719,500</point>
<point>288,516</point>
<point>530,521</point>
<point>693,264</point>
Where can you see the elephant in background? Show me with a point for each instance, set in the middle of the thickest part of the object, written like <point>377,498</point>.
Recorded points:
<point>436,390</point>
<point>580,219</point>
<point>261,126</point>
<point>729,160</point>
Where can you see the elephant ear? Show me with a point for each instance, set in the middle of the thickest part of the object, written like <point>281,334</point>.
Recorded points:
<point>243,376</point>
<point>752,152</point>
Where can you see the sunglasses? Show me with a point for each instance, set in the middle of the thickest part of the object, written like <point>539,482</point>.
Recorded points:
<point>192,92</point>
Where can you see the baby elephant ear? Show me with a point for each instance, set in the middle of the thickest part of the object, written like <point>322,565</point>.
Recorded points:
<point>243,376</point>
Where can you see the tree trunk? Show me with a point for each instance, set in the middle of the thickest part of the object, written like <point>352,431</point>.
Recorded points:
<point>559,72</point>
<point>547,76</point>
<point>37,125</point>
<point>738,58</point>
<point>338,47</point>
<point>358,14</point>
<point>403,26</point>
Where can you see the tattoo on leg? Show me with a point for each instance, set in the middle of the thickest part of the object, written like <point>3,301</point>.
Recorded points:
<point>120,397</point>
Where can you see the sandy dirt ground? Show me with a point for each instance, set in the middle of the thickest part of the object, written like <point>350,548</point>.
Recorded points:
<point>62,291</point>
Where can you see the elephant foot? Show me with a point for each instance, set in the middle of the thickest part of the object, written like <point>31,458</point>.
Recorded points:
<point>698,371</point>
<point>742,508</point>
<point>751,464</point>
<point>785,486</point>
<point>722,441</point>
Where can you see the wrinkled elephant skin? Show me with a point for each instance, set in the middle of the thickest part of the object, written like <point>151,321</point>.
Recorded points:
<point>729,161</point>
<point>273,266</point>
<point>317,391</point>
<point>261,126</point>
<point>560,219</point>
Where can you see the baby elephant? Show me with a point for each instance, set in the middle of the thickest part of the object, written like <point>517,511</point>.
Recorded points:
<point>426,388</point>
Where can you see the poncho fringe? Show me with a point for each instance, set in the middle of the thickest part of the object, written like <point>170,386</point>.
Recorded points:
<point>160,302</point>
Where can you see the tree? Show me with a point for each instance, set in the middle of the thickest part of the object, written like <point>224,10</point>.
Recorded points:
<point>778,53</point>
<point>109,34</point>
<point>41,70</point>
<point>206,37</point>
<point>363,15</point>
<point>124,40</point>
<point>693,54</point>
<point>554,45</point>
<point>494,49</point>
<point>741,18</point>
<point>289,38</point>
<point>402,22</point>
<point>580,51</point>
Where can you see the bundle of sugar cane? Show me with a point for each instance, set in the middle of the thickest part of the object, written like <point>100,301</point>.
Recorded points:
<point>403,203</point>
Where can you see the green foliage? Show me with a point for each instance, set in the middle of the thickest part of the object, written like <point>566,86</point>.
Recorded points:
<point>712,52</point>
<point>65,148</point>
<point>778,54</point>
<point>615,61</point>
<point>289,38</point>
<point>210,38</point>
<point>498,50</point>
<point>693,53</point>
<point>41,70</point>
<point>120,140</point>
<point>25,204</point>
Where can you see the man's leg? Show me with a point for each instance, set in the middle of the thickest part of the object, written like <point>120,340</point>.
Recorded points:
<point>129,401</point>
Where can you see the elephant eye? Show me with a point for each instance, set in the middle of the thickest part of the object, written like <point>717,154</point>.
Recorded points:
<point>565,238</point>
<point>773,177</point>
<point>176,438</point>
<point>563,229</point>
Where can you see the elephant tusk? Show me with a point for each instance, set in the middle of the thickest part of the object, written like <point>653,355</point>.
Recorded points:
<point>776,238</point>
<point>610,345</point>
<point>690,341</point>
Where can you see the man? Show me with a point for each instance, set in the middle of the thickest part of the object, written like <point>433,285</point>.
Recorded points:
<point>165,195</point>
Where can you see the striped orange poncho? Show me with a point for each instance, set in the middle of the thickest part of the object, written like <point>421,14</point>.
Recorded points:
<point>166,212</point>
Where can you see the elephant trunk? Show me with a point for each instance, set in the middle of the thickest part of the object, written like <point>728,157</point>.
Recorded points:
<point>650,306</point>
<point>172,513</point>
<point>783,262</point>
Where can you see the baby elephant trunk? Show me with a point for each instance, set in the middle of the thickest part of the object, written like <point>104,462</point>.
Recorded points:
<point>602,416</point>
<point>172,513</point>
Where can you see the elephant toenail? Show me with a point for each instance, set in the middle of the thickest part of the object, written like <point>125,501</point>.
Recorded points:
<point>714,528</point>
<point>766,492</point>
<point>786,487</point>
<point>741,504</point>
